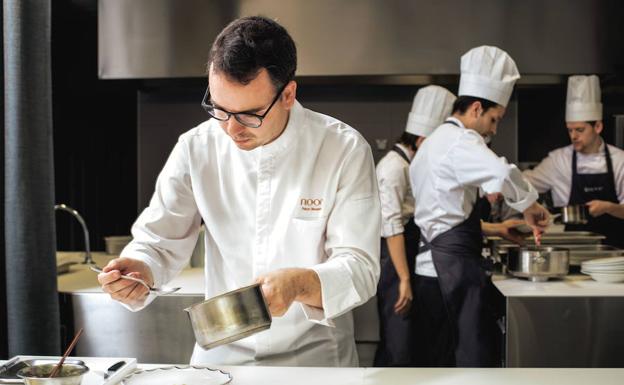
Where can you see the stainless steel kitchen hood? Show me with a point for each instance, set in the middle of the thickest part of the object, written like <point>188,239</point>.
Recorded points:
<point>361,38</point>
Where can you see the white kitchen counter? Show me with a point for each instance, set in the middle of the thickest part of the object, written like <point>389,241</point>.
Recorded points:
<point>419,376</point>
<point>264,375</point>
<point>575,285</point>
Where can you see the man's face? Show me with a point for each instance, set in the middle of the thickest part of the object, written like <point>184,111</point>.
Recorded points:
<point>254,97</point>
<point>583,135</point>
<point>487,122</point>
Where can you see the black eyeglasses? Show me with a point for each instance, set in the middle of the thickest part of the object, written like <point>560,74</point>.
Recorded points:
<point>247,119</point>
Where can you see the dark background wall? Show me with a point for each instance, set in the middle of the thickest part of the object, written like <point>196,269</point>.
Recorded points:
<point>94,132</point>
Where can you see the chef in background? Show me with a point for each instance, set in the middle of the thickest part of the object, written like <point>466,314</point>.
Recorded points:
<point>589,171</point>
<point>289,199</point>
<point>455,319</point>
<point>399,243</point>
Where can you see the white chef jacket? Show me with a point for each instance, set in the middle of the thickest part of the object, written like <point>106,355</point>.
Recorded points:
<point>395,192</point>
<point>308,199</point>
<point>446,173</point>
<point>554,172</point>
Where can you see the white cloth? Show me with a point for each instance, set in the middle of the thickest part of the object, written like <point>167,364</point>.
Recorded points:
<point>308,199</point>
<point>446,173</point>
<point>431,105</point>
<point>488,73</point>
<point>554,173</point>
<point>583,99</point>
<point>395,192</point>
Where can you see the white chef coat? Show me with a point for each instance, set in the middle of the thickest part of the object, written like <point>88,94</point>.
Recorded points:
<point>308,199</point>
<point>446,173</point>
<point>554,173</point>
<point>395,192</point>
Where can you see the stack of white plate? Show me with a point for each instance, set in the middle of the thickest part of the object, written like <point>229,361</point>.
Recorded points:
<point>605,269</point>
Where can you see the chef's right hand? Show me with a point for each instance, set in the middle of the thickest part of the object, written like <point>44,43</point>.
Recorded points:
<point>123,290</point>
<point>538,218</point>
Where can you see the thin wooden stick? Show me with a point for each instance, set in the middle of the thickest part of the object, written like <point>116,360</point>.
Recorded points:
<point>58,366</point>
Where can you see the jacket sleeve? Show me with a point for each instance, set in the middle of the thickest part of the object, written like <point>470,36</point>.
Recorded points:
<point>165,233</point>
<point>349,276</point>
<point>476,165</point>
<point>393,188</point>
<point>541,176</point>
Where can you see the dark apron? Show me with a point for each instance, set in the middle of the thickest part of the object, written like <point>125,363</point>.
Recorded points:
<point>588,187</point>
<point>395,347</point>
<point>471,301</point>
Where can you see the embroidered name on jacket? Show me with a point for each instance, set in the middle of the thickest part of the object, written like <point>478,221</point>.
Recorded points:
<point>310,204</point>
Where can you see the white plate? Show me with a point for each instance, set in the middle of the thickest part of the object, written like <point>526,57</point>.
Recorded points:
<point>607,277</point>
<point>605,261</point>
<point>178,375</point>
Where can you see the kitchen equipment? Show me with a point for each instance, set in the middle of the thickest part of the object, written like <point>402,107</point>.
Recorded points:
<point>115,244</point>
<point>113,368</point>
<point>69,374</point>
<point>59,366</point>
<point>8,371</point>
<point>574,214</point>
<point>188,375</point>
<point>538,263</point>
<point>230,316</point>
<point>608,270</point>
<point>153,290</point>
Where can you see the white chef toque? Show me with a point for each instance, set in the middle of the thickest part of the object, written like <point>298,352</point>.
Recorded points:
<point>431,105</point>
<point>583,101</point>
<point>488,73</point>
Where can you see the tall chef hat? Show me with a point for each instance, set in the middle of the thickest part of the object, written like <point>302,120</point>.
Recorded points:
<point>488,73</point>
<point>431,105</point>
<point>583,101</point>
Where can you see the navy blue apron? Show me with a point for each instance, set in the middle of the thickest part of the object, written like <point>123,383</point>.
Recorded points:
<point>588,187</point>
<point>471,301</point>
<point>395,347</point>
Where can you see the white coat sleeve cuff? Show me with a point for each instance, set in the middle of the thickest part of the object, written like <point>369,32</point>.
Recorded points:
<point>316,315</point>
<point>337,290</point>
<point>137,307</point>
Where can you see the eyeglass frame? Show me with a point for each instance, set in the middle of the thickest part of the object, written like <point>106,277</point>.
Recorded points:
<point>206,106</point>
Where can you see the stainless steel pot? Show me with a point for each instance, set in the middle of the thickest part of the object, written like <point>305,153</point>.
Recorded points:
<point>229,317</point>
<point>538,263</point>
<point>574,214</point>
<point>70,374</point>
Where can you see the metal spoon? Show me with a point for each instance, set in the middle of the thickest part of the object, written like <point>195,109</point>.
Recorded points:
<point>154,290</point>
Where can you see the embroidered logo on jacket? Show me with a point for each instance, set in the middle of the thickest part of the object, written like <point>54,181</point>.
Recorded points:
<point>309,204</point>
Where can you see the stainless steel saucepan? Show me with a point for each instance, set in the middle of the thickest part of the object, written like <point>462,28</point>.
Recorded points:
<point>229,317</point>
<point>538,263</point>
<point>574,214</point>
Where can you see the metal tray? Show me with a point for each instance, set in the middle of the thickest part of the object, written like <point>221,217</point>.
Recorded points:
<point>566,237</point>
<point>10,368</point>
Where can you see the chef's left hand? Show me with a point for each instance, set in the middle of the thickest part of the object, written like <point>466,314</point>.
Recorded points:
<point>597,208</point>
<point>284,286</point>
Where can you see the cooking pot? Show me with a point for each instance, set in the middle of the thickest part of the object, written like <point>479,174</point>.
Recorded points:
<point>70,374</point>
<point>538,263</point>
<point>229,317</point>
<point>574,214</point>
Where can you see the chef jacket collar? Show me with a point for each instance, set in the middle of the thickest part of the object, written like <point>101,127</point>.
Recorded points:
<point>450,118</point>
<point>409,154</point>
<point>288,137</point>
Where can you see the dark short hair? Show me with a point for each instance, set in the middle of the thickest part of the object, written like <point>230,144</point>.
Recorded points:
<point>408,140</point>
<point>251,43</point>
<point>462,103</point>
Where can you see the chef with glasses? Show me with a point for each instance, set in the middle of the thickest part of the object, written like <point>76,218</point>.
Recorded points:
<point>289,199</point>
